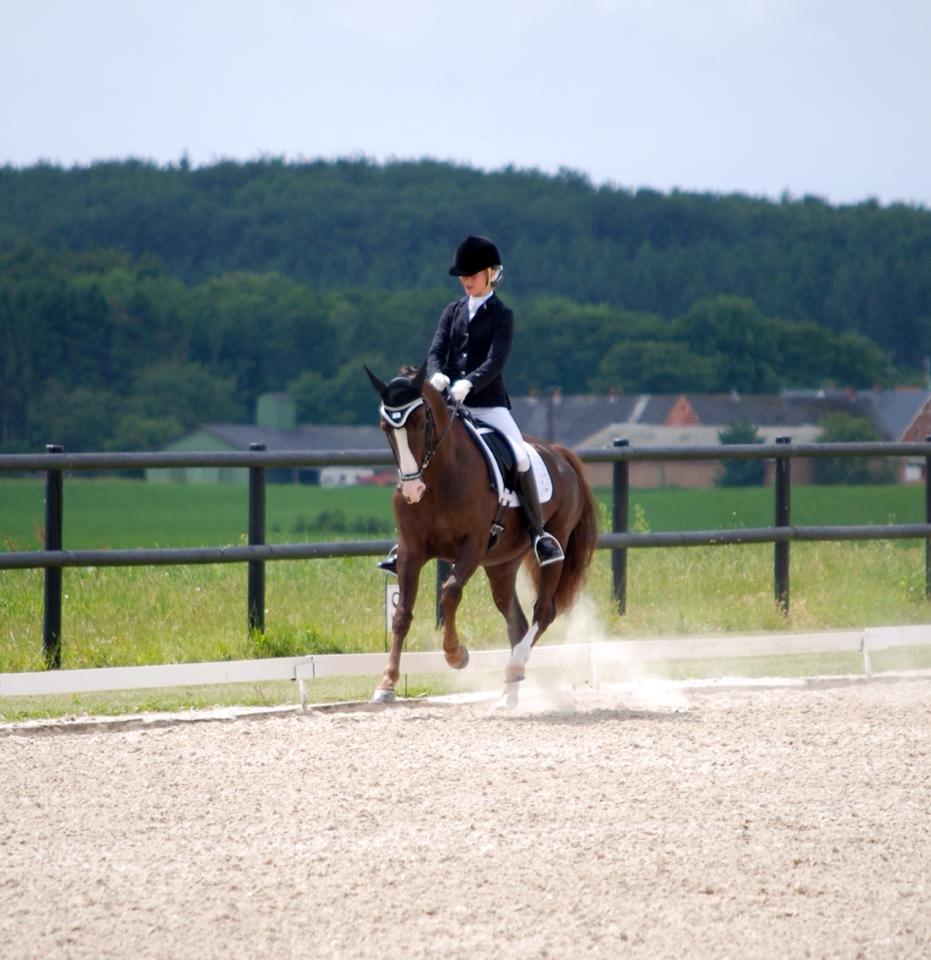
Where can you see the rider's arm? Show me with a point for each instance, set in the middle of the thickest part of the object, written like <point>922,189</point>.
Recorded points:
<point>498,353</point>
<point>438,355</point>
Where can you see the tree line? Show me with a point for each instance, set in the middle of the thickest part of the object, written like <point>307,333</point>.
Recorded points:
<point>137,301</point>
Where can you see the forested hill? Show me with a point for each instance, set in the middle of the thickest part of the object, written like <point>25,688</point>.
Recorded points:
<point>244,277</point>
<point>357,224</point>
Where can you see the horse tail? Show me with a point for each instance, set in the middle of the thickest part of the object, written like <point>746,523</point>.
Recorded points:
<point>582,540</point>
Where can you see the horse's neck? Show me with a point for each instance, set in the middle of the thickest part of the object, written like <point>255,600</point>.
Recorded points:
<point>451,434</point>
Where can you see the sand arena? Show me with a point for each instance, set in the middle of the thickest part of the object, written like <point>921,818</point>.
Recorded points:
<point>653,821</point>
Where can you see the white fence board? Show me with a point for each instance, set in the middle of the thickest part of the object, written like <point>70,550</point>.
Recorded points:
<point>878,638</point>
<point>578,655</point>
<point>140,678</point>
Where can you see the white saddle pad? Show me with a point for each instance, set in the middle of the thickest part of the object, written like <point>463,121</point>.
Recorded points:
<point>540,474</point>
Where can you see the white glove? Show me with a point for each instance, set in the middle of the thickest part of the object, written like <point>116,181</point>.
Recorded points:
<point>439,381</point>
<point>459,390</point>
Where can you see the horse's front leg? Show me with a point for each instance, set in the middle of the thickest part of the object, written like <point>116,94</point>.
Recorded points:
<point>466,563</point>
<point>409,567</point>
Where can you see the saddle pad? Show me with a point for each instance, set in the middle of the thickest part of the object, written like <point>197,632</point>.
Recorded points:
<point>540,474</point>
<point>509,497</point>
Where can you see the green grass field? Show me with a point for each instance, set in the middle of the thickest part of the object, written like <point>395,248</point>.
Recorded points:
<point>122,616</point>
<point>128,513</point>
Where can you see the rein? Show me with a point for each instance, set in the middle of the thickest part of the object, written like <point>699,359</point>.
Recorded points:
<point>433,445</point>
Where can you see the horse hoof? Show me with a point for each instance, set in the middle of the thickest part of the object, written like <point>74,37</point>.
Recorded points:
<point>384,696</point>
<point>508,699</point>
<point>463,660</point>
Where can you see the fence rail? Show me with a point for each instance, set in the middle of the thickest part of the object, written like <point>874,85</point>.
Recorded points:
<point>591,660</point>
<point>55,462</point>
<point>56,459</point>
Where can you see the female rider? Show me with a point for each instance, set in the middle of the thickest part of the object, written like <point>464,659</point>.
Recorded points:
<point>467,356</point>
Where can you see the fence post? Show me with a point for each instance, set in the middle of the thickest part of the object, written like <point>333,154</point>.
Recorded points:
<point>443,570</point>
<point>783,485</point>
<point>928,520</point>
<point>51,623</point>
<point>256,598</point>
<point>620,518</point>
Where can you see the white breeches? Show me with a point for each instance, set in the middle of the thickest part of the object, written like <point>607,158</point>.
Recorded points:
<point>500,418</point>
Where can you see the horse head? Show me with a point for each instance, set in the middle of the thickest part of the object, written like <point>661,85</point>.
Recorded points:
<point>408,422</point>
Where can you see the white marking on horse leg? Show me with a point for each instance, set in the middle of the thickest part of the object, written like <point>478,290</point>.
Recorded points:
<point>509,698</point>
<point>521,652</point>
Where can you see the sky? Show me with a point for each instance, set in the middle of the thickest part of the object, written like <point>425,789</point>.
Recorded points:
<point>830,98</point>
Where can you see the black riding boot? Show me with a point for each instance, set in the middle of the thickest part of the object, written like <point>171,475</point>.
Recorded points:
<point>545,545</point>
<point>390,563</point>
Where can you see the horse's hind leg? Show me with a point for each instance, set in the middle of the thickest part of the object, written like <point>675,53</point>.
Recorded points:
<point>544,613</point>
<point>503,581</point>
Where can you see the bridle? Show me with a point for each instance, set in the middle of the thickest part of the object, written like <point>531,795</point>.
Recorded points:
<point>396,417</point>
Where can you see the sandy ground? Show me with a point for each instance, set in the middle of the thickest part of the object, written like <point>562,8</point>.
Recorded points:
<point>645,822</point>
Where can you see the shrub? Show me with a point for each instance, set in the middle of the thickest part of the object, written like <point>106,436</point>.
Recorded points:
<point>741,473</point>
<point>845,428</point>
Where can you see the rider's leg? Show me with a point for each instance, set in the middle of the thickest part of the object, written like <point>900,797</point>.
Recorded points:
<point>545,545</point>
<point>390,563</point>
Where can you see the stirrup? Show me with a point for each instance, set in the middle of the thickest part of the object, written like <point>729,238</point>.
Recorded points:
<point>390,563</point>
<point>547,549</point>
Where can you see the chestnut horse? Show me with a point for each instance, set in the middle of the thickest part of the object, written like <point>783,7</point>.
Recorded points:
<point>445,507</point>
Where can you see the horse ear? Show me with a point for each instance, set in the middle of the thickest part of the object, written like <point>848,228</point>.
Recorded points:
<point>421,374</point>
<point>380,386</point>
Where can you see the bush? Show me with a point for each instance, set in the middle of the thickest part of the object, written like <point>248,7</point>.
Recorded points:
<point>845,428</point>
<point>741,473</point>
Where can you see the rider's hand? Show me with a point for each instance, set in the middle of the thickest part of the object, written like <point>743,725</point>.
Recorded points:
<point>439,381</point>
<point>460,389</point>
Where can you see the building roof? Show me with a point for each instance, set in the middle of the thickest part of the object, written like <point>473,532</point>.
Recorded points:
<point>582,420</point>
<point>760,410</point>
<point>688,435</point>
<point>894,411</point>
<point>576,418</point>
<point>571,418</point>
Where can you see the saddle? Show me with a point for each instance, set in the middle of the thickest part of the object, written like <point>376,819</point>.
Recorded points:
<point>500,463</point>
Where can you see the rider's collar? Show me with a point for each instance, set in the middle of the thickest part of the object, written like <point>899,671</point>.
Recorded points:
<point>476,302</point>
<point>397,416</point>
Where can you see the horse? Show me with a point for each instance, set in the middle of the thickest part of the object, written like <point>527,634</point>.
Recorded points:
<point>445,507</point>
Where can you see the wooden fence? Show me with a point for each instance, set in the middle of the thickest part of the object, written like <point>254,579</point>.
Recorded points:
<point>55,462</point>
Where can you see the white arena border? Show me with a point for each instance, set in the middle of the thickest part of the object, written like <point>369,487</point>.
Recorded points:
<point>589,657</point>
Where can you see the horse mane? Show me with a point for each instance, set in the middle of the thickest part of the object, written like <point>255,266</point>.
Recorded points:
<point>434,398</point>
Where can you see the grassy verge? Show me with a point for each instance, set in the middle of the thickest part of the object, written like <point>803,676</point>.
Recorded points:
<point>117,617</point>
<point>127,616</point>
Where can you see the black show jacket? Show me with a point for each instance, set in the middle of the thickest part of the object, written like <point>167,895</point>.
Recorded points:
<point>476,350</point>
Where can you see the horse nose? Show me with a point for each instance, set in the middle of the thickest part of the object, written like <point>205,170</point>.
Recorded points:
<point>413,490</point>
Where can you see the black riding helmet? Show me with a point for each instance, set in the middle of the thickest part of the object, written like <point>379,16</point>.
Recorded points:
<point>474,254</point>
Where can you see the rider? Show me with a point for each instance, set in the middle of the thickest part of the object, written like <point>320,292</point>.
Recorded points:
<point>467,356</point>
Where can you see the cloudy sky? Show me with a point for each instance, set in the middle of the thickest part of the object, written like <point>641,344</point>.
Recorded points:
<point>823,97</point>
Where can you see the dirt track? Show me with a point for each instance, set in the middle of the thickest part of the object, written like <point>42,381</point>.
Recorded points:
<point>753,823</point>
